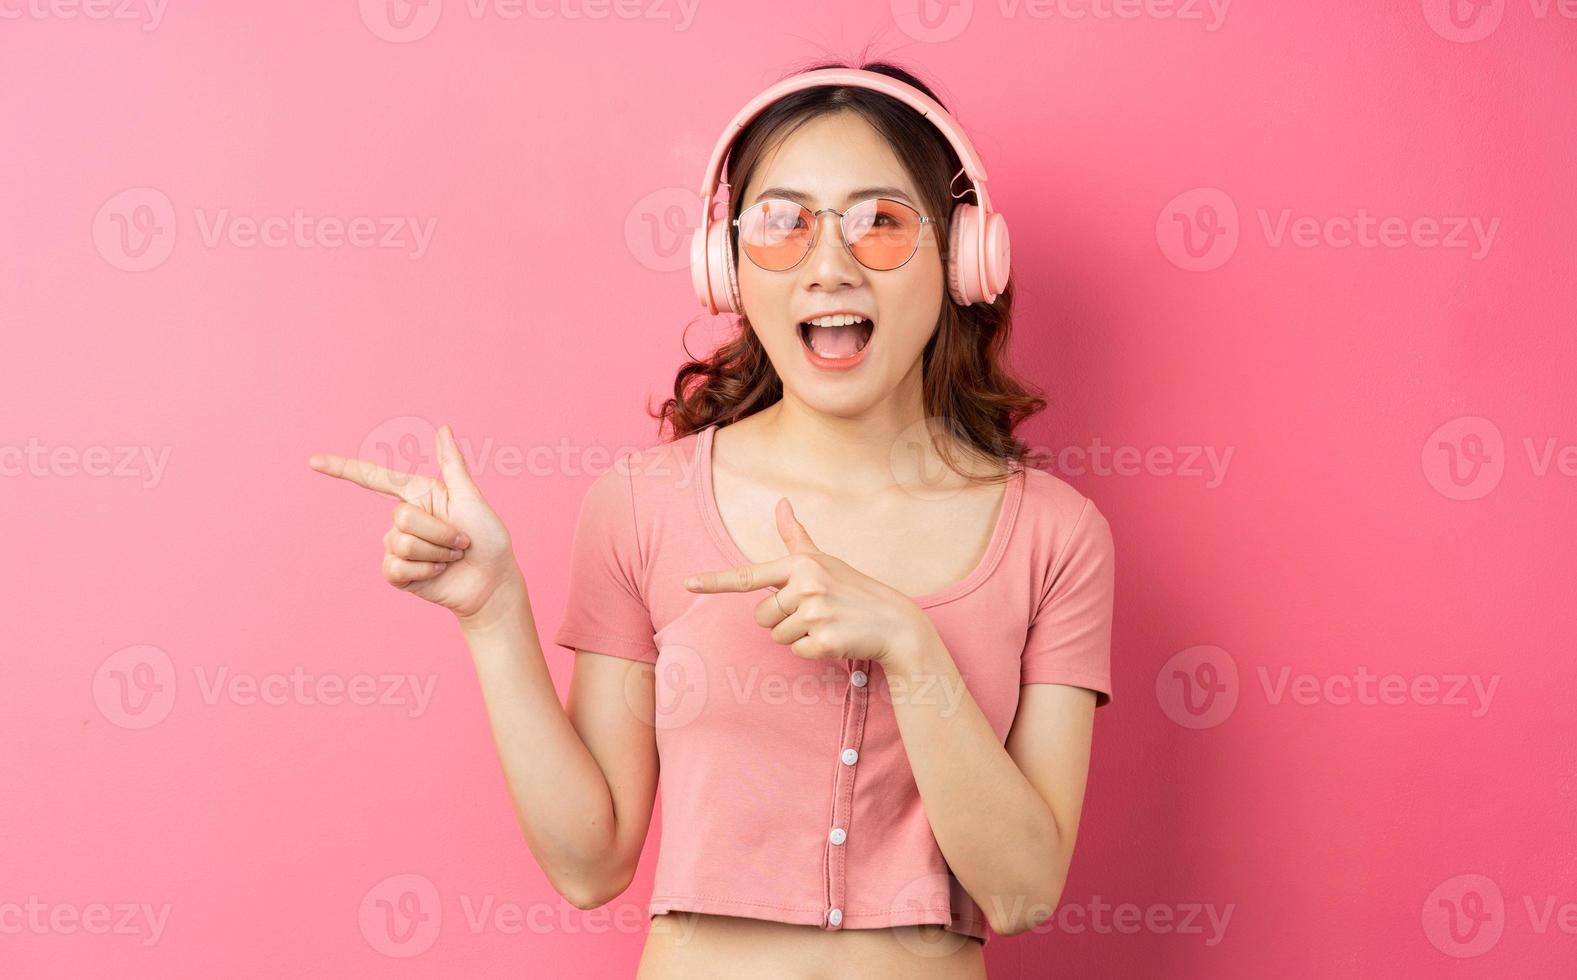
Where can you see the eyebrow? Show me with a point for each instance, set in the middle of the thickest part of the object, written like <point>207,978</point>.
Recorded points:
<point>859,194</point>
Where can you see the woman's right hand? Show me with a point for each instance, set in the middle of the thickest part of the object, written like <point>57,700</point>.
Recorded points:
<point>446,544</point>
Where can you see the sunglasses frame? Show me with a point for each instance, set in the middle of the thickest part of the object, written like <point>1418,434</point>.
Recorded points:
<point>815,232</point>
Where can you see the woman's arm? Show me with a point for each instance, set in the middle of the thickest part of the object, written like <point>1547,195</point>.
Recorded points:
<point>1005,817</point>
<point>584,781</point>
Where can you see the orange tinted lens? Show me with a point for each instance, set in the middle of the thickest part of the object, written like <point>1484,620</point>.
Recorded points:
<point>775,234</point>
<point>882,234</point>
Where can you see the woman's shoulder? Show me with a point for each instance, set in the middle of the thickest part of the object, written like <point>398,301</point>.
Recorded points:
<point>663,468</point>
<point>1052,510</point>
<point>1047,490</point>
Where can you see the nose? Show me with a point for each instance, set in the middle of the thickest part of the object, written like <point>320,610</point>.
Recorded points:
<point>830,265</point>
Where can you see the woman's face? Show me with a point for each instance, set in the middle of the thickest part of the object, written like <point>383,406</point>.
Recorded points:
<point>833,160</point>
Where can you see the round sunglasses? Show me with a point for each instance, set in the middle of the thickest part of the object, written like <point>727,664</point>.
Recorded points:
<point>881,234</point>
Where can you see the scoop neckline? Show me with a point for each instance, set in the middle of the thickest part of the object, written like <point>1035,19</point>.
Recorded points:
<point>1007,514</point>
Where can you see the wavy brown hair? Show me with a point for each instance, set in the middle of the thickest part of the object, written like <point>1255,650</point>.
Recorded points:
<point>967,386</point>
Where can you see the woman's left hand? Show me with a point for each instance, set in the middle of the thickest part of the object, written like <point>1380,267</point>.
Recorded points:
<point>823,608</point>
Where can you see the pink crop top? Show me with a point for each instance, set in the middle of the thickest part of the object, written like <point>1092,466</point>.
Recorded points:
<point>786,791</point>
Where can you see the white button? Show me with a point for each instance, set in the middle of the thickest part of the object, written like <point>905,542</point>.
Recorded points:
<point>838,836</point>
<point>850,757</point>
<point>858,678</point>
<point>835,916</point>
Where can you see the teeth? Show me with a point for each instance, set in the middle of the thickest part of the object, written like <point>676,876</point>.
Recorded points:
<point>836,320</point>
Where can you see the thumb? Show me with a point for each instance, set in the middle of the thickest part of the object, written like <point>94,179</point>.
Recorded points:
<point>792,531</point>
<point>451,463</point>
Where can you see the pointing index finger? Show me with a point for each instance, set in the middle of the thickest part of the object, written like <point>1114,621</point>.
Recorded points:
<point>369,475</point>
<point>742,578</point>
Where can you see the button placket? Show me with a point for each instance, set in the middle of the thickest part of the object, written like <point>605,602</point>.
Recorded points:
<point>850,734</point>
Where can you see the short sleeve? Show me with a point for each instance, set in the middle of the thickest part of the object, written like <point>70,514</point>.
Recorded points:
<point>606,610</point>
<point>1070,638</point>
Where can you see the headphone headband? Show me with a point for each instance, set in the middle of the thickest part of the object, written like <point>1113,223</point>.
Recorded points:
<point>858,78</point>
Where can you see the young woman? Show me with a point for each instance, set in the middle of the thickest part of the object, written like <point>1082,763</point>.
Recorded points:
<point>864,638</point>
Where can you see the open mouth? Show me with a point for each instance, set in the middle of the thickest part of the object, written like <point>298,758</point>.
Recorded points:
<point>836,337</point>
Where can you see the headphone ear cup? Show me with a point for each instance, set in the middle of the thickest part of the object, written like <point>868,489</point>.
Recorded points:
<point>699,273</point>
<point>715,273</point>
<point>963,271</point>
<point>999,257</point>
<point>968,280</point>
<point>731,277</point>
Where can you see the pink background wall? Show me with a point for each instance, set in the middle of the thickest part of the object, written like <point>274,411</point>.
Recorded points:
<point>1342,737</point>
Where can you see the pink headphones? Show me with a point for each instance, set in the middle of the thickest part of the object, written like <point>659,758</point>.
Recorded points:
<point>977,248</point>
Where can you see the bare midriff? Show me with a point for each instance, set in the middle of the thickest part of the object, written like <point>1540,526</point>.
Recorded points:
<point>693,946</point>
